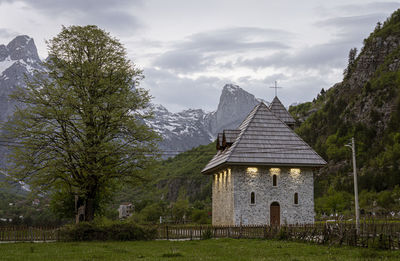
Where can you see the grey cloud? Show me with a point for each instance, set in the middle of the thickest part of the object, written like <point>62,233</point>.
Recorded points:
<point>237,39</point>
<point>183,60</point>
<point>353,28</point>
<point>371,7</point>
<point>321,56</point>
<point>199,51</point>
<point>65,6</point>
<point>295,88</point>
<point>113,15</point>
<point>178,93</point>
<point>5,33</point>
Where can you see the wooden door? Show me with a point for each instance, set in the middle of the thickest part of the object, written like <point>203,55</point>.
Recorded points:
<point>275,214</point>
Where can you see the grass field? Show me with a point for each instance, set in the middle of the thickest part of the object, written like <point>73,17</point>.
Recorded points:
<point>213,249</point>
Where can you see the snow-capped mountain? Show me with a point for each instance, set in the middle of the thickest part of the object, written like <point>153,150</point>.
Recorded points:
<point>18,60</point>
<point>190,128</point>
<point>180,131</point>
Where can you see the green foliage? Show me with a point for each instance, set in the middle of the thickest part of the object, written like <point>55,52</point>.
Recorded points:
<point>385,200</point>
<point>207,234</point>
<point>22,209</point>
<point>301,110</point>
<point>149,214</point>
<point>172,178</point>
<point>369,112</point>
<point>81,130</point>
<point>391,27</point>
<point>107,230</point>
<point>200,216</point>
<point>367,200</point>
<point>334,202</point>
<point>282,234</point>
<point>222,249</point>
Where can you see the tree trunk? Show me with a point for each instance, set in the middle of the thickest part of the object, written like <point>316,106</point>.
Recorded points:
<point>89,209</point>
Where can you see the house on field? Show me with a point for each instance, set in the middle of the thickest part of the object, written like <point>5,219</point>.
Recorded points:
<point>263,171</point>
<point>125,210</point>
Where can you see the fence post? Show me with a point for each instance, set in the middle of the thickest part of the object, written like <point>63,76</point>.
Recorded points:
<point>166,228</point>
<point>265,231</point>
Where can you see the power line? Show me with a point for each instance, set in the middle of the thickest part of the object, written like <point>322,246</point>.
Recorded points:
<point>172,152</point>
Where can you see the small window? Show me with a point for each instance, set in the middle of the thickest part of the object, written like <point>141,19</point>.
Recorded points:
<point>296,198</point>
<point>274,180</point>
<point>252,198</point>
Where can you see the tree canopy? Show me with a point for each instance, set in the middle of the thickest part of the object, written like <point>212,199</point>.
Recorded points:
<point>80,127</point>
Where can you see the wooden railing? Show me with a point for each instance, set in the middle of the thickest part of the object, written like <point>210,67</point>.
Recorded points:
<point>377,235</point>
<point>380,235</point>
<point>22,233</point>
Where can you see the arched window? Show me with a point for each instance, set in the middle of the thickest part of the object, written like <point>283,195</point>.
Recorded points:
<point>274,180</point>
<point>252,198</point>
<point>296,198</point>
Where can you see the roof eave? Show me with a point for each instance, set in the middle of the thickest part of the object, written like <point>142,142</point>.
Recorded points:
<point>222,165</point>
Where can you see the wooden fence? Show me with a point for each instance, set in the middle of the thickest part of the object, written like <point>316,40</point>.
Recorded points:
<point>383,236</point>
<point>21,233</point>
<point>375,235</point>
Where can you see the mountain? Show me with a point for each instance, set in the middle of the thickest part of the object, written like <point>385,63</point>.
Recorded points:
<point>190,128</point>
<point>365,105</point>
<point>180,131</point>
<point>18,59</point>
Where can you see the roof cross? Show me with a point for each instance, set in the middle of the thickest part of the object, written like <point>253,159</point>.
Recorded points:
<point>276,88</point>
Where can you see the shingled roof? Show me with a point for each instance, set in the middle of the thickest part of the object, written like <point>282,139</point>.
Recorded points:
<point>264,139</point>
<point>280,111</point>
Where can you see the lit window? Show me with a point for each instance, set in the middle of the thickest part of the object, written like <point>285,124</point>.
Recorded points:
<point>252,198</point>
<point>275,171</point>
<point>252,170</point>
<point>296,198</point>
<point>274,180</point>
<point>295,173</point>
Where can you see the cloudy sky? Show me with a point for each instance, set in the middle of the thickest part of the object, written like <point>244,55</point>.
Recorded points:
<point>189,49</point>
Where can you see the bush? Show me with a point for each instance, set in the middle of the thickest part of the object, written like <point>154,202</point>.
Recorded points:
<point>200,216</point>
<point>112,230</point>
<point>283,234</point>
<point>207,234</point>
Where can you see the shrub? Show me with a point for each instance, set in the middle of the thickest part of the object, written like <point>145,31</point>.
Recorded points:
<point>117,230</point>
<point>200,216</point>
<point>207,234</point>
<point>283,234</point>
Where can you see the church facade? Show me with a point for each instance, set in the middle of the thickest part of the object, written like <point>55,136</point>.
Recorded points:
<point>263,172</point>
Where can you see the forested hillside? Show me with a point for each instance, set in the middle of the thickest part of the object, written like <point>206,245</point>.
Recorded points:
<point>365,105</point>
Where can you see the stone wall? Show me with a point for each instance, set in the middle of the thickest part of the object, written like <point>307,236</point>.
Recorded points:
<point>222,198</point>
<point>232,204</point>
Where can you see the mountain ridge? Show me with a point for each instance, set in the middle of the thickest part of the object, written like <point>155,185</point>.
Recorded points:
<point>365,105</point>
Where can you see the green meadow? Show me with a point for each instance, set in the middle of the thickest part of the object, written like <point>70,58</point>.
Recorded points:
<point>213,249</point>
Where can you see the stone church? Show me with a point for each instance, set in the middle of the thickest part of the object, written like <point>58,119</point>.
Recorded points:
<point>263,171</point>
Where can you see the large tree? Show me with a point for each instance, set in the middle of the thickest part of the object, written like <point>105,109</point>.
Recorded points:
<point>81,128</point>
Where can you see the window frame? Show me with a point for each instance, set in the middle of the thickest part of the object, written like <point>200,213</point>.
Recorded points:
<point>296,198</point>
<point>252,198</point>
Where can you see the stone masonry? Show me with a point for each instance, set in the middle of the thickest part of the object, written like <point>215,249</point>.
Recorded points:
<point>232,190</point>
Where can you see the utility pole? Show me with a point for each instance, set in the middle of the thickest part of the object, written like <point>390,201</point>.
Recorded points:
<point>353,148</point>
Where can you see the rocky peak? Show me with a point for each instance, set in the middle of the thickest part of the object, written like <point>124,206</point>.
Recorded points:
<point>21,47</point>
<point>232,94</point>
<point>3,52</point>
<point>234,104</point>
